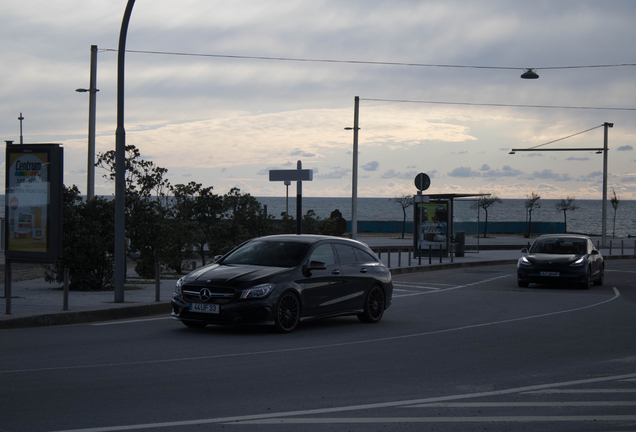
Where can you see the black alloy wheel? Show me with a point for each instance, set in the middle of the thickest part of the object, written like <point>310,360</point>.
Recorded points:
<point>374,306</point>
<point>287,313</point>
<point>194,324</point>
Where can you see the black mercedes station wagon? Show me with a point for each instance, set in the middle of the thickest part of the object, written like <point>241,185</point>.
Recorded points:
<point>285,279</point>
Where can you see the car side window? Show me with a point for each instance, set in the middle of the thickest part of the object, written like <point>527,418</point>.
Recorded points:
<point>364,256</point>
<point>323,253</point>
<point>346,254</point>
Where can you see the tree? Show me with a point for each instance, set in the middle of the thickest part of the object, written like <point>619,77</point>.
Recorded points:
<point>87,244</point>
<point>615,201</point>
<point>485,202</point>
<point>564,206</point>
<point>405,201</point>
<point>532,204</point>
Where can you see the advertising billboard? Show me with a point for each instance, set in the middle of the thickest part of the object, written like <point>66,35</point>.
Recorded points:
<point>431,221</point>
<point>33,202</point>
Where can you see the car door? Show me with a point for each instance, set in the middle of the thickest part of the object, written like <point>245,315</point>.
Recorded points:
<point>358,277</point>
<point>319,288</point>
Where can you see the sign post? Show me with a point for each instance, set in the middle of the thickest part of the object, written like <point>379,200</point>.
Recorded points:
<point>298,175</point>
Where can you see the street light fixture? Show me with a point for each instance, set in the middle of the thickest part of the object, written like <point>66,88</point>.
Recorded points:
<point>530,74</point>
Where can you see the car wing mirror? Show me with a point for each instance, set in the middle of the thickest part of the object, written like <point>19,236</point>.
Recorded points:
<point>217,257</point>
<point>524,251</point>
<point>317,265</point>
<point>595,252</point>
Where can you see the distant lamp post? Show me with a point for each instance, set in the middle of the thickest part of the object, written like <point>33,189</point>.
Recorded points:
<point>354,175</point>
<point>92,90</point>
<point>21,118</point>
<point>530,74</point>
<point>603,150</point>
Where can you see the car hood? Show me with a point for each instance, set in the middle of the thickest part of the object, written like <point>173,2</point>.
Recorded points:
<point>231,275</point>
<point>553,258</point>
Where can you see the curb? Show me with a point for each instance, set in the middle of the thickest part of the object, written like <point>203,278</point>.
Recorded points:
<point>86,316</point>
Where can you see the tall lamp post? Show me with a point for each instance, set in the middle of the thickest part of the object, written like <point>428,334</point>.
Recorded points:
<point>120,164</point>
<point>92,90</point>
<point>604,150</point>
<point>354,174</point>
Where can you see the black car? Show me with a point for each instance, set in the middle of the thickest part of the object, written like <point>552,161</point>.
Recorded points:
<point>561,258</point>
<point>283,280</point>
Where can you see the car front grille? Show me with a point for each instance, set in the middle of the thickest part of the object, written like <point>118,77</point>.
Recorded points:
<point>217,295</point>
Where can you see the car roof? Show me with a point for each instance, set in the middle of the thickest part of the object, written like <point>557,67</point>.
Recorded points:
<point>572,236</point>
<point>310,239</point>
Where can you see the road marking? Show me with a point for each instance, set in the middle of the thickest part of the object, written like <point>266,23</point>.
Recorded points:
<point>361,407</point>
<point>388,420</point>
<point>427,283</point>
<point>314,347</point>
<point>129,321</point>
<point>621,271</point>
<point>522,404</point>
<point>417,287</point>
<point>582,391</point>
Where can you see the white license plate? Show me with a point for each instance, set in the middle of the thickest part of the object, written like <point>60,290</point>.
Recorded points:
<point>204,308</point>
<point>550,274</point>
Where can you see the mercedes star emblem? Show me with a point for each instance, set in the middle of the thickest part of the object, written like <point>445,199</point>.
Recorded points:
<point>205,294</point>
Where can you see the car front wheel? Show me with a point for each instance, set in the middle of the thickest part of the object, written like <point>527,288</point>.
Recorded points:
<point>588,279</point>
<point>601,277</point>
<point>374,305</point>
<point>287,313</point>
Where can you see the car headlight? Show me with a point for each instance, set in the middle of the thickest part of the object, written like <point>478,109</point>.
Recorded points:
<point>578,262</point>
<point>177,286</point>
<point>524,261</point>
<point>258,291</point>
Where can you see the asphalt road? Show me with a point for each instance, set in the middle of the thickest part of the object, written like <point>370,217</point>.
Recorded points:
<point>459,350</point>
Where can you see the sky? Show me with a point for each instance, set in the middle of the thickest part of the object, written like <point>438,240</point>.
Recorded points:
<point>226,121</point>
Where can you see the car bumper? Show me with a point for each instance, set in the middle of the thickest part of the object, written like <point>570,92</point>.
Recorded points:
<point>534,275</point>
<point>252,312</point>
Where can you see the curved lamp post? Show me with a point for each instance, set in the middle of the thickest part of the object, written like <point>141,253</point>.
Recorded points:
<point>120,164</point>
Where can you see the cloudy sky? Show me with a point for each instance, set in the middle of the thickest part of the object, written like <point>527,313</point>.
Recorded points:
<point>226,122</point>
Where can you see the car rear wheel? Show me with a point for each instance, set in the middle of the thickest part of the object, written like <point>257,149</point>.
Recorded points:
<point>374,305</point>
<point>287,313</point>
<point>194,324</point>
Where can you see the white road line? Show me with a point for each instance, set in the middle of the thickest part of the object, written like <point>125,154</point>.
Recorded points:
<point>391,420</point>
<point>427,283</point>
<point>582,391</point>
<point>353,407</point>
<point>522,404</point>
<point>129,321</point>
<point>621,271</point>
<point>417,286</point>
<point>313,347</point>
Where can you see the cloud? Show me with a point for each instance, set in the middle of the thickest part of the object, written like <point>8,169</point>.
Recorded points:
<point>547,174</point>
<point>336,173</point>
<point>578,159</point>
<point>506,171</point>
<point>302,153</point>
<point>625,148</point>
<point>484,167</point>
<point>464,172</point>
<point>371,166</point>
<point>400,175</point>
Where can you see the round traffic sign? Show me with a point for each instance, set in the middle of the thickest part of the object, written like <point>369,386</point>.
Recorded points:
<point>422,181</point>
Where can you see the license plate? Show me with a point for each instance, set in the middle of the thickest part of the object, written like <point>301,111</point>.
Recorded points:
<point>204,308</point>
<point>550,274</point>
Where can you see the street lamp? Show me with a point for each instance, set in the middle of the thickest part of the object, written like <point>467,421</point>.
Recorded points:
<point>354,175</point>
<point>530,74</point>
<point>603,150</point>
<point>90,171</point>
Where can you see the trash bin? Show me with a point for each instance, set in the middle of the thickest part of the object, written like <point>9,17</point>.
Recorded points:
<point>460,243</point>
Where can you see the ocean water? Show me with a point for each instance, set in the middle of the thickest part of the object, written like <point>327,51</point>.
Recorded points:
<point>586,219</point>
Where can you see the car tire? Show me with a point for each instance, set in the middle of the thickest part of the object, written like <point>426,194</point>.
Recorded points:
<point>601,277</point>
<point>287,313</point>
<point>194,324</point>
<point>374,305</point>
<point>522,284</point>
<point>587,282</point>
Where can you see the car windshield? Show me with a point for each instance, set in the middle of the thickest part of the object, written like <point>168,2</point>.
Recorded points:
<point>268,253</point>
<point>559,246</point>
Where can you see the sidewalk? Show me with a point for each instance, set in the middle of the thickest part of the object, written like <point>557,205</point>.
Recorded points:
<point>38,303</point>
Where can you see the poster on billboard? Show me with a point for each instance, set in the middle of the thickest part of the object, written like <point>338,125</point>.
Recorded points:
<point>433,225</point>
<point>33,202</point>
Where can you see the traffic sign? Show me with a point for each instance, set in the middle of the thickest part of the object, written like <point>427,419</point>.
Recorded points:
<point>422,181</point>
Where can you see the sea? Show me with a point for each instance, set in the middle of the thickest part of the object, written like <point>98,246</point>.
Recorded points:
<point>586,219</point>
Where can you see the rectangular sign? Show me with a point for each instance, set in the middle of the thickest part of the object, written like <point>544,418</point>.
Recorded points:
<point>33,202</point>
<point>292,175</point>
